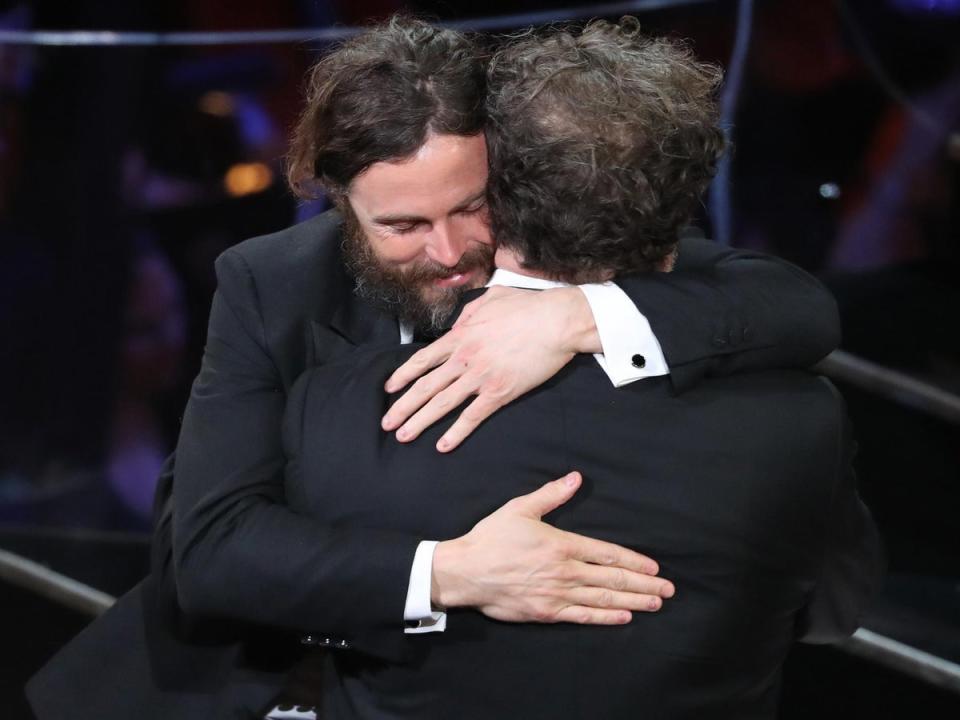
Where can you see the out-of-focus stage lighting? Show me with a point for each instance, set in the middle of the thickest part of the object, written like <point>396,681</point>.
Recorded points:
<point>830,191</point>
<point>216,102</point>
<point>932,6</point>
<point>247,178</point>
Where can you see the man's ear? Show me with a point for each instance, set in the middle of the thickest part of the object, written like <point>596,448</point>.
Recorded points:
<point>338,197</point>
<point>666,265</point>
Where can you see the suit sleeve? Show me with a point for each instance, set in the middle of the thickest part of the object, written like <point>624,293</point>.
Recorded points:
<point>852,564</point>
<point>238,550</point>
<point>723,311</point>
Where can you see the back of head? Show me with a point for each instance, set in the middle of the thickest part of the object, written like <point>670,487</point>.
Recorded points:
<point>601,145</point>
<point>378,96</point>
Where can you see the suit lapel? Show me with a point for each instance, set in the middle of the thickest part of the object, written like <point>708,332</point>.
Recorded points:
<point>355,322</point>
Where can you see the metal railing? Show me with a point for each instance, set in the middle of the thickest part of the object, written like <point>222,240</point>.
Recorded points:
<point>903,658</point>
<point>59,588</point>
<point>864,643</point>
<point>892,385</point>
<point>108,38</point>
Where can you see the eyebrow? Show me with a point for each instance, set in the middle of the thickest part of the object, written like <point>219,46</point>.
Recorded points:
<point>414,219</point>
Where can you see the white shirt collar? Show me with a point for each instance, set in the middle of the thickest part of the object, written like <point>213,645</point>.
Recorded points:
<point>512,279</point>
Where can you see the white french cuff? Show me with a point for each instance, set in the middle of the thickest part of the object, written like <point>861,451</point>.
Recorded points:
<point>418,608</point>
<point>630,349</point>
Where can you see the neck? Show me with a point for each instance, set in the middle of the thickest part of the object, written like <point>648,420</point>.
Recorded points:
<point>507,259</point>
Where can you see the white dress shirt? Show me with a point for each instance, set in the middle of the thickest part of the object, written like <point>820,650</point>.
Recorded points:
<point>630,352</point>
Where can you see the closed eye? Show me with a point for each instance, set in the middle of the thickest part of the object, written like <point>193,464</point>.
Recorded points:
<point>475,207</point>
<point>403,228</point>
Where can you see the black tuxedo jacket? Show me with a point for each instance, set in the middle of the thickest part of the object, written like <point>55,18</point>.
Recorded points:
<point>232,558</point>
<point>742,489</point>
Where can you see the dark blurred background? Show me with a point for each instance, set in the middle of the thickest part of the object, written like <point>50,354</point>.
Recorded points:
<point>124,171</point>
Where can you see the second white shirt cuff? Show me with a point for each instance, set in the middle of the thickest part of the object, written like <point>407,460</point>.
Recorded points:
<point>418,608</point>
<point>630,349</point>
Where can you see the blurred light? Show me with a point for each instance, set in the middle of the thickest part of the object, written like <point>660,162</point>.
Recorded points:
<point>247,178</point>
<point>216,102</point>
<point>934,6</point>
<point>953,146</point>
<point>830,191</point>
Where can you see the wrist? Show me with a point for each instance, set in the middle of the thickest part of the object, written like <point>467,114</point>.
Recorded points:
<point>579,328</point>
<point>446,586</point>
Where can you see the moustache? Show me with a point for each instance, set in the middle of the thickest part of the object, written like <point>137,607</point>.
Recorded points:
<point>480,258</point>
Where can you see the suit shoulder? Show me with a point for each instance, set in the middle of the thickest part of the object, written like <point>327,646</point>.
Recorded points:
<point>293,274</point>
<point>813,402</point>
<point>338,387</point>
<point>294,249</point>
<point>799,402</point>
<point>816,389</point>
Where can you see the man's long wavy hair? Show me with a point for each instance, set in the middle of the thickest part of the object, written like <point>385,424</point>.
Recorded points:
<point>378,96</point>
<point>601,145</point>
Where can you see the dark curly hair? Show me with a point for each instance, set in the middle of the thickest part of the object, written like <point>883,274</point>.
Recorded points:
<point>378,95</point>
<point>601,144</point>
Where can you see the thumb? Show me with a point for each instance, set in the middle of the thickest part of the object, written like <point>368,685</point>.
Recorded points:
<point>549,497</point>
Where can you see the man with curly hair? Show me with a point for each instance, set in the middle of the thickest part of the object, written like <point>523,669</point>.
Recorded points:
<point>601,145</point>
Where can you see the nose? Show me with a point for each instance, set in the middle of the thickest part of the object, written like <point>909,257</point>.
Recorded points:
<point>446,245</point>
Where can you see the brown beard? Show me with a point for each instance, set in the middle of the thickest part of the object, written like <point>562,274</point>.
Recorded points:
<point>403,292</point>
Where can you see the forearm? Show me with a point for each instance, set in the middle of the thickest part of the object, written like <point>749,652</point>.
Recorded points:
<point>265,564</point>
<point>724,311</point>
<point>237,550</point>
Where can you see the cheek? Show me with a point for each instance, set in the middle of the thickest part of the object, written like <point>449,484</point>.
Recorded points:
<point>399,249</point>
<point>476,228</point>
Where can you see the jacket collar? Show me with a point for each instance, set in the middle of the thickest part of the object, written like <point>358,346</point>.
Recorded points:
<point>358,322</point>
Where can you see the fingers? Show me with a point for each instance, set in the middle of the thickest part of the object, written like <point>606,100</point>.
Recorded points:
<point>419,363</point>
<point>424,391</point>
<point>603,599</point>
<point>547,498</point>
<point>436,406</point>
<point>592,616</point>
<point>474,414</point>
<point>620,582</point>
<point>599,552</point>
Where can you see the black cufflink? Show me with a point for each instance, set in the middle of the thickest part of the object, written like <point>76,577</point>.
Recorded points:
<point>638,361</point>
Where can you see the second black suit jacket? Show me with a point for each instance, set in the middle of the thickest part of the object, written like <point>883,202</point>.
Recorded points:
<point>742,489</point>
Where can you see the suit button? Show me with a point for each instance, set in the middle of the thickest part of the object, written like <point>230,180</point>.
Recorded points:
<point>748,333</point>
<point>638,361</point>
<point>308,640</point>
<point>719,342</point>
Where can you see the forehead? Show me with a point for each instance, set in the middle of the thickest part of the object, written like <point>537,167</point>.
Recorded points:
<point>445,170</point>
